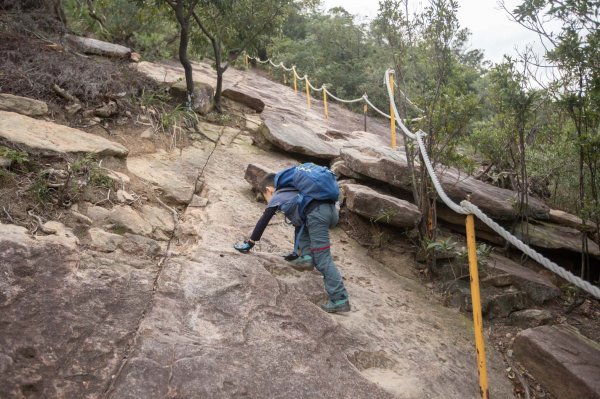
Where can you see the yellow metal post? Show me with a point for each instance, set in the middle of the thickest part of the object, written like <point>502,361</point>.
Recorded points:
<point>307,92</point>
<point>295,87</point>
<point>325,103</point>
<point>476,301</point>
<point>392,116</point>
<point>246,60</point>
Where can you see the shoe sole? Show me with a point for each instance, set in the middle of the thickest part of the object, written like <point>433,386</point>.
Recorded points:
<point>338,310</point>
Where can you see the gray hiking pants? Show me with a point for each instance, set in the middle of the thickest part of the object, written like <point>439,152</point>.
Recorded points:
<point>315,240</point>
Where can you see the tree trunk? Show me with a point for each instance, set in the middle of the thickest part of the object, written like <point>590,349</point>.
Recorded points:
<point>220,71</point>
<point>184,39</point>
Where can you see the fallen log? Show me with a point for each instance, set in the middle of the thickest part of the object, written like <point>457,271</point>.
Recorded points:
<point>98,47</point>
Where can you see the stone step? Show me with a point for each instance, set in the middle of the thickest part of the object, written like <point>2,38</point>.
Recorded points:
<point>380,208</point>
<point>52,138</point>
<point>560,358</point>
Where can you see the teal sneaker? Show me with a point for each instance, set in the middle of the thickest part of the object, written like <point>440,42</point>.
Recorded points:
<point>343,305</point>
<point>302,263</point>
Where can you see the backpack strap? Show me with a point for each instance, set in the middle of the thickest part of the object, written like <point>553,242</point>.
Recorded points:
<point>297,241</point>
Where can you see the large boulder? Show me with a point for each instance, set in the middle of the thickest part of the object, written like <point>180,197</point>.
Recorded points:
<point>22,105</point>
<point>379,207</point>
<point>538,287</point>
<point>561,359</point>
<point>254,103</point>
<point>340,169</point>
<point>392,167</point>
<point>566,219</point>
<point>52,138</point>
<point>203,99</point>
<point>255,173</point>
<point>98,47</point>
<point>528,318</point>
<point>553,236</point>
<point>296,138</point>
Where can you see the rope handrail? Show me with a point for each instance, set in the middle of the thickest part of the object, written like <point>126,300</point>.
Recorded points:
<point>305,77</point>
<point>467,207</point>
<point>311,86</point>
<point>342,100</point>
<point>375,108</point>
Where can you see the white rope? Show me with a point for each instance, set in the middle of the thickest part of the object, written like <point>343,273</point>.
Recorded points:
<point>547,263</point>
<point>393,106</point>
<point>375,108</point>
<point>466,207</point>
<point>296,73</point>
<point>343,101</point>
<point>311,86</point>
<point>415,106</point>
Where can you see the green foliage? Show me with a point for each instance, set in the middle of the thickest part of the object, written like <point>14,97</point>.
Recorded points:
<point>385,216</point>
<point>150,98</point>
<point>96,176</point>
<point>483,253</point>
<point>146,28</point>
<point>439,245</point>
<point>15,156</point>
<point>39,189</point>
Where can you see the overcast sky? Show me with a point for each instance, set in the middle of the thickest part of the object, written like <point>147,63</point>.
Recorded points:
<point>491,30</point>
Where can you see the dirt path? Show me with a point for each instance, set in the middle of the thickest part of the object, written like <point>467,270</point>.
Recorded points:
<point>226,325</point>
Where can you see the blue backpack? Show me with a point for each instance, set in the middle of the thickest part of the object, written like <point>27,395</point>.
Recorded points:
<point>313,182</point>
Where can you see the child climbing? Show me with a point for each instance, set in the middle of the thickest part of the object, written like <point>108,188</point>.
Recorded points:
<point>306,194</point>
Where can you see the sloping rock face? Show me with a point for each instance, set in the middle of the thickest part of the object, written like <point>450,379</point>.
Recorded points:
<point>66,316</point>
<point>22,105</point>
<point>98,47</point>
<point>288,124</point>
<point>564,361</point>
<point>224,327</point>
<point>391,167</point>
<point>379,207</point>
<point>48,137</point>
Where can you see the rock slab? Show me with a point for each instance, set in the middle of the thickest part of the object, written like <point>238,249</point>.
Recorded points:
<point>538,287</point>
<point>255,173</point>
<point>49,137</point>
<point>22,105</point>
<point>254,103</point>
<point>564,361</point>
<point>67,316</point>
<point>379,207</point>
<point>553,236</point>
<point>174,173</point>
<point>392,167</point>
